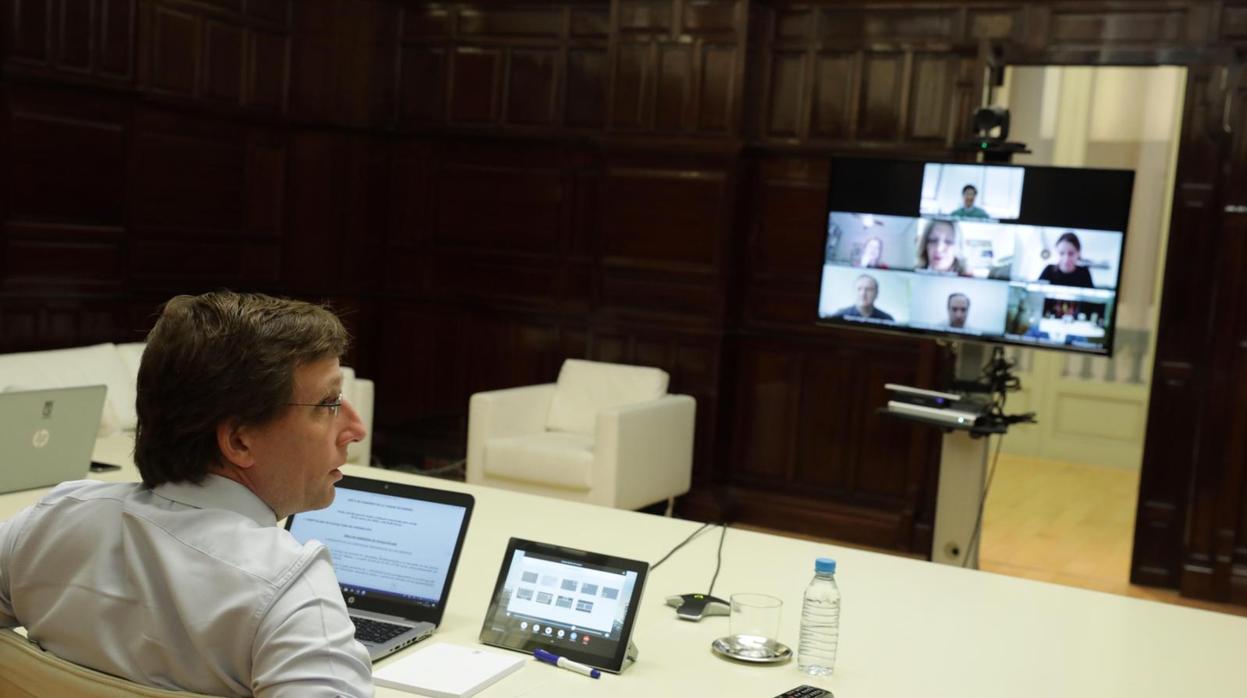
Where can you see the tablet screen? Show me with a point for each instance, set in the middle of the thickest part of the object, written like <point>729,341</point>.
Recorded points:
<point>574,603</point>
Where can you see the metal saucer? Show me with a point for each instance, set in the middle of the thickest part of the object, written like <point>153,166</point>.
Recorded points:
<point>752,649</point>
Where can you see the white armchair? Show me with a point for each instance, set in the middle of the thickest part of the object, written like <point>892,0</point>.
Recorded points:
<point>604,434</point>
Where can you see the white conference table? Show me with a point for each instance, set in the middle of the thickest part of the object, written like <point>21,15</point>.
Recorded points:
<point>909,629</point>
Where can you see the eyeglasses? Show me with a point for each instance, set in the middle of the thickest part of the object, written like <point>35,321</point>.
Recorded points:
<point>333,407</point>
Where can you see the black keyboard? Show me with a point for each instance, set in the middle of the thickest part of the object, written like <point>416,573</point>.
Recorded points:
<point>375,631</point>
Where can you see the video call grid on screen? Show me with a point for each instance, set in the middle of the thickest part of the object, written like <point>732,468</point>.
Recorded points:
<point>386,544</point>
<point>573,595</point>
<point>1010,263</point>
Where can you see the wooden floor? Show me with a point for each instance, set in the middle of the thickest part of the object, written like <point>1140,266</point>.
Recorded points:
<point>1065,523</point>
<point>1068,524</point>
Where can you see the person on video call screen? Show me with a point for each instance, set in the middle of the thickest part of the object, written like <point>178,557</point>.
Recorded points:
<point>968,209</point>
<point>939,248</point>
<point>872,254</point>
<point>1067,271</point>
<point>958,310</point>
<point>867,290</point>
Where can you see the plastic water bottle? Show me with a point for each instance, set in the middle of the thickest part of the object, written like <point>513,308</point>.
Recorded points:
<point>820,621</point>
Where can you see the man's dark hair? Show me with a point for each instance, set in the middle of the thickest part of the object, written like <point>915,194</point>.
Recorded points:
<point>951,296</point>
<point>219,356</point>
<point>969,187</point>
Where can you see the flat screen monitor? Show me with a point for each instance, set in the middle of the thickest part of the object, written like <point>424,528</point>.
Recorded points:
<point>1013,254</point>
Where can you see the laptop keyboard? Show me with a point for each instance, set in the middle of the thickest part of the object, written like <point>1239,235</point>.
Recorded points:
<point>375,631</point>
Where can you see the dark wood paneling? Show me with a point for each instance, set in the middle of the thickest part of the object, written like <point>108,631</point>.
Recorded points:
<point>644,16</point>
<point>116,38</point>
<point>532,86</point>
<point>1109,27</point>
<point>931,100</point>
<point>423,74</point>
<point>786,104</point>
<point>31,27</point>
<point>633,86</point>
<point>75,47</point>
<point>175,51</point>
<point>223,62</point>
<point>49,129</point>
<point>187,175</point>
<point>675,76</point>
<point>663,219</point>
<point>67,266</point>
<point>717,88</point>
<point>883,96</point>
<point>536,22</point>
<point>837,26</point>
<point>268,71</point>
<point>274,12</point>
<point>474,88</point>
<point>586,88</point>
<point>835,79</point>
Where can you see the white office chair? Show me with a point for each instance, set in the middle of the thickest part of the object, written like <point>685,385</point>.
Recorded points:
<point>30,672</point>
<point>605,434</point>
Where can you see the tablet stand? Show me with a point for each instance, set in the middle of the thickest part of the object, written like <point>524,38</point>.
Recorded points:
<point>629,656</point>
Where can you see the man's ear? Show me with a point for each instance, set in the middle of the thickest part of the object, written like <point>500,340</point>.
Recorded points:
<point>234,441</point>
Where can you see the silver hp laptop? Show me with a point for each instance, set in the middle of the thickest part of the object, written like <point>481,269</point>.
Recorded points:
<point>395,548</point>
<point>47,435</point>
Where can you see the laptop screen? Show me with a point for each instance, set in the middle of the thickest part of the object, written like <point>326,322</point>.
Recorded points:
<point>391,547</point>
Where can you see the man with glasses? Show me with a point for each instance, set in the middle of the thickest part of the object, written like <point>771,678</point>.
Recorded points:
<point>185,581</point>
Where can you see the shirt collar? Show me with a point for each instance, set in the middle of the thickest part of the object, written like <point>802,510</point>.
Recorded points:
<point>217,492</point>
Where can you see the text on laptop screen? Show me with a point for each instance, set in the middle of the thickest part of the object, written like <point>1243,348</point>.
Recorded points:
<point>384,544</point>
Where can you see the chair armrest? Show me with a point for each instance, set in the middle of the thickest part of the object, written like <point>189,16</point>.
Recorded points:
<point>646,449</point>
<point>502,413</point>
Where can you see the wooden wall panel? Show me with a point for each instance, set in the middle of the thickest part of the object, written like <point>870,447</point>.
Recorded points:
<point>931,97</point>
<point>632,85</point>
<point>586,88</point>
<point>175,51</point>
<point>889,25</point>
<point>223,62</point>
<point>675,76</point>
<point>474,84</point>
<point>835,83</point>
<point>532,86</point>
<point>187,175</point>
<point>76,38</point>
<point>47,129</point>
<point>786,103</point>
<point>268,71</point>
<point>717,85</point>
<point>422,72</point>
<point>31,27</point>
<point>663,219</point>
<point>883,96</point>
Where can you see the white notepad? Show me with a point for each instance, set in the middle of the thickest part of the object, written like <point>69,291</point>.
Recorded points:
<point>447,671</point>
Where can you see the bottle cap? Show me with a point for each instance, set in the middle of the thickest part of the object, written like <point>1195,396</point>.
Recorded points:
<point>825,565</point>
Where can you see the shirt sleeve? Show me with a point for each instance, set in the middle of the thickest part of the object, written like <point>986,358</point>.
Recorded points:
<point>8,544</point>
<point>305,645</point>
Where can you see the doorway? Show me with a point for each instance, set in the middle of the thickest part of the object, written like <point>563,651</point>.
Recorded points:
<point>1063,497</point>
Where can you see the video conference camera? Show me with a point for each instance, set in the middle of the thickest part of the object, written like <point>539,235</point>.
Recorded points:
<point>991,136</point>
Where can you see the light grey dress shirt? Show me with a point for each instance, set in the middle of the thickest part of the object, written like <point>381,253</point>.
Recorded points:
<point>183,586</point>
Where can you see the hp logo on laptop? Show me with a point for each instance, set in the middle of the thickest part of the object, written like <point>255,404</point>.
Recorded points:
<point>40,438</point>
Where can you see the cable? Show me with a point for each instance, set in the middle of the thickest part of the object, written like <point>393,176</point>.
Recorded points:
<point>681,545</point>
<point>978,520</point>
<point>718,560</point>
